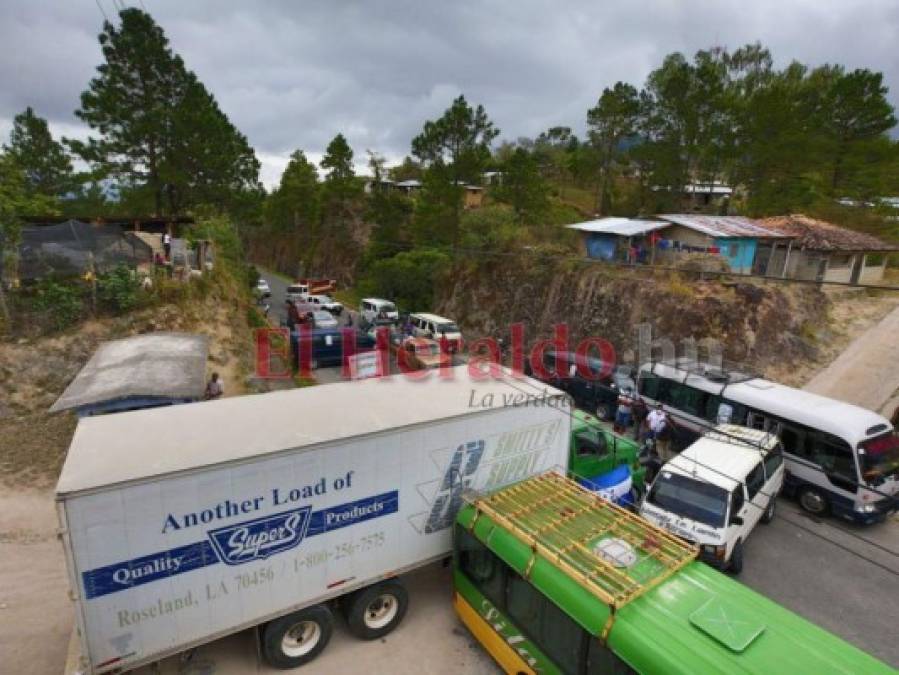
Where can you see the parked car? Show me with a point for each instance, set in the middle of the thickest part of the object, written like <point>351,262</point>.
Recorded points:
<point>437,328</point>
<point>326,302</point>
<point>263,289</point>
<point>596,395</point>
<point>298,311</point>
<point>421,353</point>
<point>323,319</point>
<point>377,308</point>
<point>394,334</point>
<point>716,491</point>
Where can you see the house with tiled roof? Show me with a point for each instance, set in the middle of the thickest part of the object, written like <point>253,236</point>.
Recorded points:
<point>822,251</point>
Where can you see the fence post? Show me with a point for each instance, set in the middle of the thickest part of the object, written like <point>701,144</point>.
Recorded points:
<point>92,276</point>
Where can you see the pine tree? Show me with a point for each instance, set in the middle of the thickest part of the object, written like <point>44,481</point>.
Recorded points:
<point>160,131</point>
<point>44,161</point>
<point>340,184</point>
<point>455,149</point>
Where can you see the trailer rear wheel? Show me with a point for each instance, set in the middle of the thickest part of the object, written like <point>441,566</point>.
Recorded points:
<point>297,638</point>
<point>375,611</point>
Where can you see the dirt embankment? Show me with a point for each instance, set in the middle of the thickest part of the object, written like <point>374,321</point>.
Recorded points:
<point>787,331</point>
<point>33,373</point>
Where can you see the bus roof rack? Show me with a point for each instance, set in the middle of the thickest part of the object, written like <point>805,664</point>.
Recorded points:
<point>614,554</point>
<point>724,372</point>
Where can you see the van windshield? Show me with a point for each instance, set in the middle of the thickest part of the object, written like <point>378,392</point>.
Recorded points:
<point>387,307</point>
<point>448,327</point>
<point>296,289</point>
<point>690,498</point>
<point>880,457</point>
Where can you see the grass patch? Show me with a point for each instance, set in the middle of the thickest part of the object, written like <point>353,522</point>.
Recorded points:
<point>349,297</point>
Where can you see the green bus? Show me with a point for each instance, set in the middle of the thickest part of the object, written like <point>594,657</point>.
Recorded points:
<point>550,578</point>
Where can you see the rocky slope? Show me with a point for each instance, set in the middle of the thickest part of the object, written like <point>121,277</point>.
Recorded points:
<point>761,325</point>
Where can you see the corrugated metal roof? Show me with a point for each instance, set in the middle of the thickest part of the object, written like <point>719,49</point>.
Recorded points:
<point>156,364</point>
<point>818,235</point>
<point>622,227</point>
<point>722,226</point>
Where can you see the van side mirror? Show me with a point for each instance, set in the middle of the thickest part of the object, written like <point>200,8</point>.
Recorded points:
<point>736,520</point>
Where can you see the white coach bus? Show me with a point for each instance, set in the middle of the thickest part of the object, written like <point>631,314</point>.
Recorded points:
<point>840,458</point>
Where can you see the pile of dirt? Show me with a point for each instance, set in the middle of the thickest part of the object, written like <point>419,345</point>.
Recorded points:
<point>759,325</point>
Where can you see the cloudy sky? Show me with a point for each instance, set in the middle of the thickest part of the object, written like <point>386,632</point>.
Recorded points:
<point>292,74</point>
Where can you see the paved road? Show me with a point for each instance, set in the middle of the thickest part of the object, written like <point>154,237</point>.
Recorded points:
<point>867,372</point>
<point>278,311</point>
<point>841,577</point>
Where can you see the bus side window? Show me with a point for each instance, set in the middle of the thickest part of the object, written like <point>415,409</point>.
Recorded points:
<point>834,455</point>
<point>649,384</point>
<point>685,398</point>
<point>756,420</point>
<point>482,567</point>
<point>712,408</point>
<point>602,661</point>
<point>739,412</point>
<point>523,603</point>
<point>561,638</point>
<point>793,440</point>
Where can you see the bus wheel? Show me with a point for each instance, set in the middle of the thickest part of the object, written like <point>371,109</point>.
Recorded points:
<point>813,501</point>
<point>297,638</point>
<point>768,515</point>
<point>375,611</point>
<point>736,559</point>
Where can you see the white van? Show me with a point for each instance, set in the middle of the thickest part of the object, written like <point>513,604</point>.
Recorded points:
<point>377,308</point>
<point>716,491</point>
<point>297,292</point>
<point>437,328</point>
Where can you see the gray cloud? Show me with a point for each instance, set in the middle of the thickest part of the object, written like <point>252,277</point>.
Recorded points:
<point>291,75</point>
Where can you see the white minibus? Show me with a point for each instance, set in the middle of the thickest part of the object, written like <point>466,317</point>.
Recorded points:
<point>840,458</point>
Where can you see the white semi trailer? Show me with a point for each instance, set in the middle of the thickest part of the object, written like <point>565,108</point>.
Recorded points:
<point>184,524</point>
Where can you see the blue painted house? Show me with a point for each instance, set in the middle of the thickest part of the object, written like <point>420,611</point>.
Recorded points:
<point>747,247</point>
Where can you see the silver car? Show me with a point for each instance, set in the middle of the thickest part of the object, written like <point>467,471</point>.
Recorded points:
<point>323,319</point>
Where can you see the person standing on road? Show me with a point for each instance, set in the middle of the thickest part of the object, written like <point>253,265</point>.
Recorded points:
<point>214,388</point>
<point>623,414</point>
<point>659,431</point>
<point>167,245</point>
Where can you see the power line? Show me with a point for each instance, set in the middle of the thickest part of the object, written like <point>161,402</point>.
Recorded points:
<point>102,11</point>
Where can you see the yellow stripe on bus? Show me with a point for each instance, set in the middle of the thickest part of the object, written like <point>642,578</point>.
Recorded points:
<point>492,641</point>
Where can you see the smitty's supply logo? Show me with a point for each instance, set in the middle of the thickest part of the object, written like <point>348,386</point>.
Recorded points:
<point>258,539</point>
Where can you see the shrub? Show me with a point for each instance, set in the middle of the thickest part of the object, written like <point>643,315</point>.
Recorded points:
<point>409,278</point>
<point>62,304</point>
<point>118,290</point>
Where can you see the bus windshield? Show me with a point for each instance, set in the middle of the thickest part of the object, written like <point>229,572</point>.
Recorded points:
<point>690,498</point>
<point>880,457</point>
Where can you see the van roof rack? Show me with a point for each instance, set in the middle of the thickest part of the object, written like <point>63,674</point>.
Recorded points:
<point>614,554</point>
<point>737,435</point>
